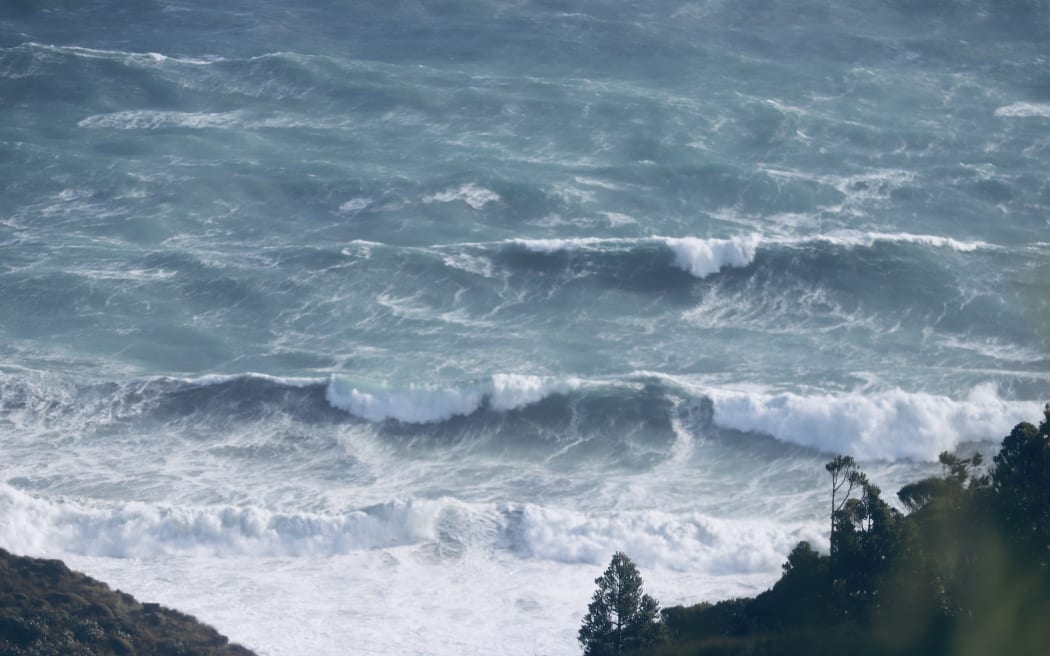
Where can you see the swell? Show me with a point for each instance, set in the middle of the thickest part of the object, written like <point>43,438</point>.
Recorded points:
<point>162,91</point>
<point>851,272</point>
<point>589,418</point>
<point>701,258</point>
<point>154,91</point>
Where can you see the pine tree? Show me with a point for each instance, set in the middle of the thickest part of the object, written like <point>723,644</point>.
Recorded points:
<point>620,616</point>
<point>1021,482</point>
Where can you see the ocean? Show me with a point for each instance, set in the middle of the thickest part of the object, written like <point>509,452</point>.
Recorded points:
<point>377,327</point>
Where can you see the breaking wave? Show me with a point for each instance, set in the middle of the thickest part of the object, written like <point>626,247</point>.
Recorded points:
<point>444,527</point>
<point>654,538</point>
<point>699,257</point>
<point>430,403</point>
<point>887,424</point>
<point>142,530</point>
<point>703,258</point>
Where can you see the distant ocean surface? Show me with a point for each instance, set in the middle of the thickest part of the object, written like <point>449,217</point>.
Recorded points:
<point>377,327</point>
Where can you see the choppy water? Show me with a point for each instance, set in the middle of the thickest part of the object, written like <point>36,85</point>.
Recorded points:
<point>377,327</point>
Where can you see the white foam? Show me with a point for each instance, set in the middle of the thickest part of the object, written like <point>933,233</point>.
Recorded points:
<point>128,275</point>
<point>127,57</point>
<point>141,530</point>
<point>392,602</point>
<point>700,257</point>
<point>703,257</point>
<point>361,248</point>
<point>220,379</point>
<point>355,205</point>
<point>512,391</point>
<point>653,538</point>
<point>1024,110</point>
<point>568,193</point>
<point>477,265</point>
<point>890,425</point>
<point>618,218</point>
<point>800,229</point>
<point>681,542</point>
<point>569,244</point>
<point>473,195</point>
<point>854,238</point>
<point>152,120</point>
<point>415,404</point>
<point>594,182</point>
<point>287,598</point>
<point>993,348</point>
<point>860,191</point>
<point>428,403</point>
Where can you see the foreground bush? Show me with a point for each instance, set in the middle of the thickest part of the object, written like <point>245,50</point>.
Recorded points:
<point>48,610</point>
<point>966,572</point>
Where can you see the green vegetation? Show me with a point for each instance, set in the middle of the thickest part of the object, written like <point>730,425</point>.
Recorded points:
<point>620,616</point>
<point>966,571</point>
<point>48,610</point>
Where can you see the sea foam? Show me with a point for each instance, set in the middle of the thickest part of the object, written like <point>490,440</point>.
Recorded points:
<point>143,530</point>
<point>857,238</point>
<point>886,425</point>
<point>703,257</point>
<point>690,541</point>
<point>473,195</point>
<point>153,120</point>
<point>156,120</point>
<point>658,539</point>
<point>131,58</point>
<point>428,403</point>
<point>699,257</point>
<point>1024,110</point>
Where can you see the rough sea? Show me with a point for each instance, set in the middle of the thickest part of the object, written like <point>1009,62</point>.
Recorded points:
<point>377,327</point>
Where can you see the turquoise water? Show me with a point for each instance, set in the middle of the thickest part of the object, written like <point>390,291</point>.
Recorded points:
<point>330,302</point>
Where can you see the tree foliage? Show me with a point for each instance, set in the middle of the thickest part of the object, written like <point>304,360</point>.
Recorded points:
<point>844,474</point>
<point>46,609</point>
<point>620,616</point>
<point>1021,481</point>
<point>966,571</point>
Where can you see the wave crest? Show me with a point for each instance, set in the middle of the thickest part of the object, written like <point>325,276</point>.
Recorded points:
<point>423,404</point>
<point>887,425</point>
<point>703,257</point>
<point>856,238</point>
<point>653,538</point>
<point>699,257</point>
<point>141,530</point>
<point>444,527</point>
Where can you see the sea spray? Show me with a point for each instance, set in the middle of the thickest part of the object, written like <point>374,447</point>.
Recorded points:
<point>420,404</point>
<point>888,425</point>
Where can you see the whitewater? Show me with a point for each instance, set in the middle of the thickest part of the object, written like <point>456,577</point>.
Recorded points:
<point>379,327</point>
